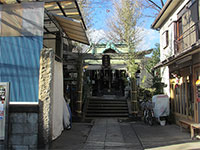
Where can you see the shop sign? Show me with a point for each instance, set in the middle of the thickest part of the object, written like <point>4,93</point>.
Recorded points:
<point>198,90</point>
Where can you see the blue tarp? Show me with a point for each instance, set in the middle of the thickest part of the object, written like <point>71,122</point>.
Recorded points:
<point>19,65</point>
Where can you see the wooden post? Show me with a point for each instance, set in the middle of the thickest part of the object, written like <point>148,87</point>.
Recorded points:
<point>79,101</point>
<point>134,102</point>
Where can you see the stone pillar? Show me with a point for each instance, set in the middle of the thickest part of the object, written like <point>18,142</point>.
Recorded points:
<point>47,59</point>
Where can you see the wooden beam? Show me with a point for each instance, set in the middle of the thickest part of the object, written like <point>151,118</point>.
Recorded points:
<point>80,15</point>
<point>53,1</point>
<point>61,9</point>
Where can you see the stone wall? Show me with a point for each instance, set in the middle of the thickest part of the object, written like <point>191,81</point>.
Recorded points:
<point>47,59</point>
<point>24,131</point>
<point>30,126</point>
<point>23,127</point>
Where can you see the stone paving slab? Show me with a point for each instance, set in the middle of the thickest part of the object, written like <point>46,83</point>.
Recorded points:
<point>73,139</point>
<point>167,137</point>
<point>111,134</point>
<point>184,146</point>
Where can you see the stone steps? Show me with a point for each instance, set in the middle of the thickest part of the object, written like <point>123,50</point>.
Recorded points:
<point>108,111</point>
<point>107,105</point>
<point>95,115</point>
<point>102,107</point>
<point>108,108</point>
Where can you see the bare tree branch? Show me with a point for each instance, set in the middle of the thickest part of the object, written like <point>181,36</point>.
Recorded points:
<point>155,4</point>
<point>162,3</point>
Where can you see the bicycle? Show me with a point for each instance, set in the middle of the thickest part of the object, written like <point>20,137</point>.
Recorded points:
<point>148,112</point>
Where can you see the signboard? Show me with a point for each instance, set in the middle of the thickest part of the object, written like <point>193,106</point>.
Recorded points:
<point>4,99</point>
<point>198,90</point>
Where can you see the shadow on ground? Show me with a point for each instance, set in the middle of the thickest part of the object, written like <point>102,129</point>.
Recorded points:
<point>117,134</point>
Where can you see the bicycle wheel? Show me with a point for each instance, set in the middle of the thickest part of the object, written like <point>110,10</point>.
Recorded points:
<point>150,118</point>
<point>145,117</point>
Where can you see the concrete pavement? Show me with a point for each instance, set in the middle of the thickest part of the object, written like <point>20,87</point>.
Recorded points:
<point>112,134</point>
<point>73,139</point>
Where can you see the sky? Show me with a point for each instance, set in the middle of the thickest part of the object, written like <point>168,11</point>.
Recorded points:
<point>103,11</point>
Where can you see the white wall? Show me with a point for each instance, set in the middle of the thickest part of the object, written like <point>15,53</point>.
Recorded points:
<point>165,79</point>
<point>169,25</point>
<point>58,100</point>
<point>169,50</point>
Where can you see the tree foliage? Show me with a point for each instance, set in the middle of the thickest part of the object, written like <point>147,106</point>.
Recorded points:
<point>123,28</point>
<point>155,59</point>
<point>123,24</point>
<point>157,84</point>
<point>132,66</point>
<point>87,12</point>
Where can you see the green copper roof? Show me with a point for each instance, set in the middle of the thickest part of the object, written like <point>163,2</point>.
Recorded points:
<point>111,45</point>
<point>100,48</point>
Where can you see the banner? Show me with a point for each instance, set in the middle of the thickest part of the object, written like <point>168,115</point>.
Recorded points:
<point>25,19</point>
<point>11,20</point>
<point>33,19</point>
<point>0,17</point>
<point>1,111</point>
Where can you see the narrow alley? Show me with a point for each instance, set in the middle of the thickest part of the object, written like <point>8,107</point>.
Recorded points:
<point>123,134</point>
<point>99,74</point>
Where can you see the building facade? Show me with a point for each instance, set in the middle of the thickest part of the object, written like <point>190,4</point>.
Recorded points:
<point>178,23</point>
<point>33,36</point>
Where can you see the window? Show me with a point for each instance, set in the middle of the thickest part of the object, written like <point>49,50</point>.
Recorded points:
<point>182,99</point>
<point>179,29</point>
<point>165,39</point>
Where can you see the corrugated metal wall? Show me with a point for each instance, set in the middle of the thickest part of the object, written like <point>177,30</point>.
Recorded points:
<point>19,65</point>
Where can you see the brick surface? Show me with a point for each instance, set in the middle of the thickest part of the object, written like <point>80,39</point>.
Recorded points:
<point>18,147</point>
<point>16,139</point>
<point>17,128</point>
<point>32,118</point>
<point>24,130</point>
<point>31,128</point>
<point>33,147</point>
<point>30,140</point>
<point>18,118</point>
<point>1,147</point>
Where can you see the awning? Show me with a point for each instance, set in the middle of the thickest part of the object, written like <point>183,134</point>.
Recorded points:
<point>69,18</point>
<point>65,9</point>
<point>74,29</point>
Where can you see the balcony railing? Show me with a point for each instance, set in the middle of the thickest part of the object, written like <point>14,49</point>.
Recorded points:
<point>189,37</point>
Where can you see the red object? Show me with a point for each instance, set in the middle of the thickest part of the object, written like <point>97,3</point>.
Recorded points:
<point>198,99</point>
<point>1,113</point>
<point>198,90</point>
<point>198,95</point>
